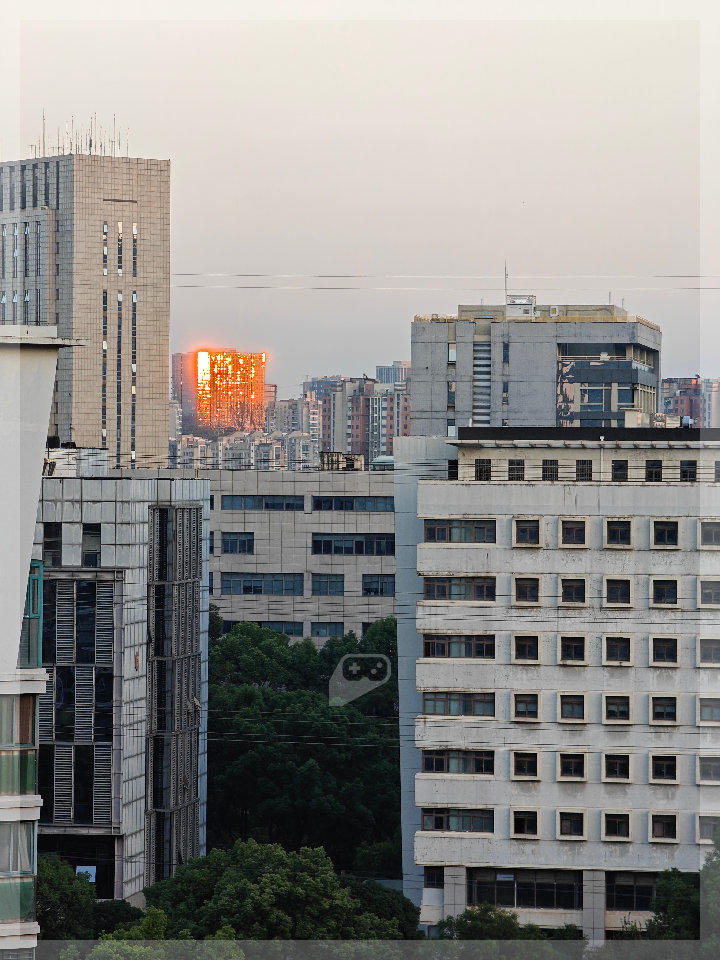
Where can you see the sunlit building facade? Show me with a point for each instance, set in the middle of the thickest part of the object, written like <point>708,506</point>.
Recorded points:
<point>220,390</point>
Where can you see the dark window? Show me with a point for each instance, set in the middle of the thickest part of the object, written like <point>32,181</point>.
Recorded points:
<point>378,585</point>
<point>459,761</point>
<point>527,590</point>
<point>664,768</point>
<point>550,470</point>
<point>619,470</point>
<point>617,824</point>
<point>665,591</point>
<point>459,588</point>
<point>525,822</point>
<point>327,629</point>
<point>481,647</point>
<point>664,649</point>
<point>52,544</point>
<point>258,584</point>
<point>617,591</point>
<point>710,533</point>
<point>664,826</point>
<point>527,532</point>
<point>212,501</point>
<point>46,780</point>
<point>572,706</point>
<point>232,542</point>
<point>665,533</point>
<point>103,704</point>
<point>619,533</point>
<point>525,764</point>
<point>617,708</point>
<point>65,703</point>
<point>571,824</point>
<point>358,544</point>
<point>526,648</point>
<point>573,532</point>
<point>91,545</point>
<point>653,471</point>
<point>572,765</point>
<point>48,631</point>
<point>544,889</point>
<point>460,531</point>
<point>85,593</point>
<point>328,584</point>
<point>516,470</point>
<point>233,501</point>
<point>459,821</point>
<point>573,591</point>
<point>617,766</point>
<point>83,783</point>
<point>688,471</point>
<point>434,878</point>
<point>452,469</point>
<point>617,649</point>
<point>583,470</point>
<point>356,504</point>
<point>526,706</point>
<point>629,891</point>
<point>572,649</point>
<point>459,704</point>
<point>506,352</point>
<point>710,592</point>
<point>717,471</point>
<point>709,768</point>
<point>709,650</point>
<point>664,709</point>
<point>291,628</point>
<point>483,469</point>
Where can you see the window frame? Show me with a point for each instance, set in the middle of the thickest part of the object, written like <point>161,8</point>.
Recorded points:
<point>659,604</point>
<point>572,663</point>
<point>698,764</point>
<point>525,776</point>
<point>559,718</point>
<point>699,662</point>
<point>521,545</point>
<point>578,811</point>
<point>617,753</point>
<point>665,546</point>
<point>698,708</point>
<point>704,841</point>
<point>662,813</point>
<point>514,637</point>
<point>569,752</point>
<point>664,664</point>
<point>606,662</point>
<point>538,823</point>
<point>609,721</point>
<point>572,604</point>
<point>585,545</point>
<point>609,838</point>
<point>660,695</point>
<point>618,546</point>
<point>700,544</point>
<point>662,781</point>
<point>700,604</point>
<point>526,603</point>
<point>526,693</point>
<point>614,604</point>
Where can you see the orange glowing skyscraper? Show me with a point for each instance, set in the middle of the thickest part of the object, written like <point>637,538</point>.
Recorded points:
<point>220,389</point>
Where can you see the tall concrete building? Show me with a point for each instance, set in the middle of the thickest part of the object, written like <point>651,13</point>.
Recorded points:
<point>85,246</point>
<point>395,372</point>
<point>123,717</point>
<point>526,364</point>
<point>558,649</point>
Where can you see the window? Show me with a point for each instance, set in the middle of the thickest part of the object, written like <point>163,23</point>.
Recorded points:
<point>525,648</point>
<point>459,704</point>
<point>358,544</point>
<point>617,708</point>
<point>451,389</point>
<point>259,584</point>
<point>710,533</point>
<point>619,470</point>
<point>571,825</point>
<point>616,766</point>
<point>572,591</point>
<point>663,826</point>
<point>327,629</point>
<point>238,542</point>
<point>459,531</point>
<point>506,351</point>
<point>664,592</point>
<point>451,428</point>
<point>52,544</point>
<point>90,548</point>
<point>459,821</point>
<point>664,651</point>
<point>717,471</point>
<point>583,470</point>
<point>572,533</point>
<point>688,471</point>
<point>459,761</point>
<point>452,352</point>
<point>572,650</point>
<point>708,825</point>
<point>629,891</point>
<point>653,471</point>
<point>233,501</point>
<point>665,533</point>
<point>212,501</point>
<point>571,766</point>
<point>709,651</point>
<point>709,710</point>
<point>543,889</point>
<point>663,768</point>
<point>434,878</point>
<point>356,504</point>
<point>550,470</point>
<point>525,765</point>
<point>452,469</point>
<point>710,593</point>
<point>617,650</point>
<point>526,706</point>
<point>618,533</point>
<point>617,592</point>
<point>17,849</point>
<point>524,823</point>
<point>709,769</point>
<point>460,588</point>
<point>291,628</point>
<point>328,584</point>
<point>572,706</point>
<point>527,590</point>
<point>481,647</point>
<point>483,469</point>
<point>516,470</point>
<point>378,585</point>
<point>616,826</point>
<point>527,533</point>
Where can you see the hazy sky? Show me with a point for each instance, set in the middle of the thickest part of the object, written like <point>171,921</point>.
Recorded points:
<point>418,155</point>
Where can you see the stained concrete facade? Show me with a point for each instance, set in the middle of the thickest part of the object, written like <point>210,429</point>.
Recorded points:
<point>85,246</point>
<point>574,681</point>
<point>525,364</point>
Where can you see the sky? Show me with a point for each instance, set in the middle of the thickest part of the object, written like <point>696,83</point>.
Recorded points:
<point>330,179</point>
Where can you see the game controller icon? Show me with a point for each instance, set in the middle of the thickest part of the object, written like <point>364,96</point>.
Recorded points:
<point>356,674</point>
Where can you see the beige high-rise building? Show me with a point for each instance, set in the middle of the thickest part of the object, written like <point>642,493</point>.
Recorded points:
<point>85,246</point>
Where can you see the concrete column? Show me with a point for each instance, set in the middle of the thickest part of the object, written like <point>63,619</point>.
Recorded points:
<point>594,905</point>
<point>455,891</point>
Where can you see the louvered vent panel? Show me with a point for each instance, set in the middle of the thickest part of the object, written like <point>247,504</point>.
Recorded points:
<point>65,611</point>
<point>102,785</point>
<point>63,783</point>
<point>104,623</point>
<point>84,700</point>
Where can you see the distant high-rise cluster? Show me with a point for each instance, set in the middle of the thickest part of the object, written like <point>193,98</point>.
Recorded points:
<point>220,390</point>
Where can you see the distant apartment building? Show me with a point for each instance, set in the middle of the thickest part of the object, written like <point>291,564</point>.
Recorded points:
<point>694,397</point>
<point>296,415</point>
<point>395,372</point>
<point>123,718</point>
<point>85,247</point>
<point>308,554</point>
<point>558,651</point>
<point>362,417</point>
<point>527,364</point>
<point>219,390</point>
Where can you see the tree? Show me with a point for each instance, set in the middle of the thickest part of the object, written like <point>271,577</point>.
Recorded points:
<point>262,892</point>
<point>215,623</point>
<point>386,903</point>
<point>488,922</point>
<point>64,901</point>
<point>676,907</point>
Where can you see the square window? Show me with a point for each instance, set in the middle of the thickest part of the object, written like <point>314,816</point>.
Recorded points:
<point>708,825</point>
<point>710,593</point>
<point>571,825</point>
<point>616,766</point>
<point>572,707</point>
<point>527,533</point>
<point>526,706</point>
<point>483,469</point>
<point>710,533</point>
<point>516,470</point>
<point>526,648</point>
<point>663,768</point>
<point>665,533</point>
<point>663,709</point>
<point>619,470</point>
<point>708,710</point>
<point>616,708</point>
<point>583,470</point>
<point>550,470</point>
<point>664,593</point>
<point>572,533</point>
<point>572,591</point>
<point>527,590</point>
<point>617,592</point>
<point>708,770</point>
<point>616,826</point>
<point>663,827</point>
<point>434,878</point>
<point>653,471</point>
<point>617,651</point>
<point>572,650</point>
<point>618,533</point>
<point>664,651</point>
<point>571,766</point>
<point>709,651</point>
<point>525,765</point>
<point>525,823</point>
